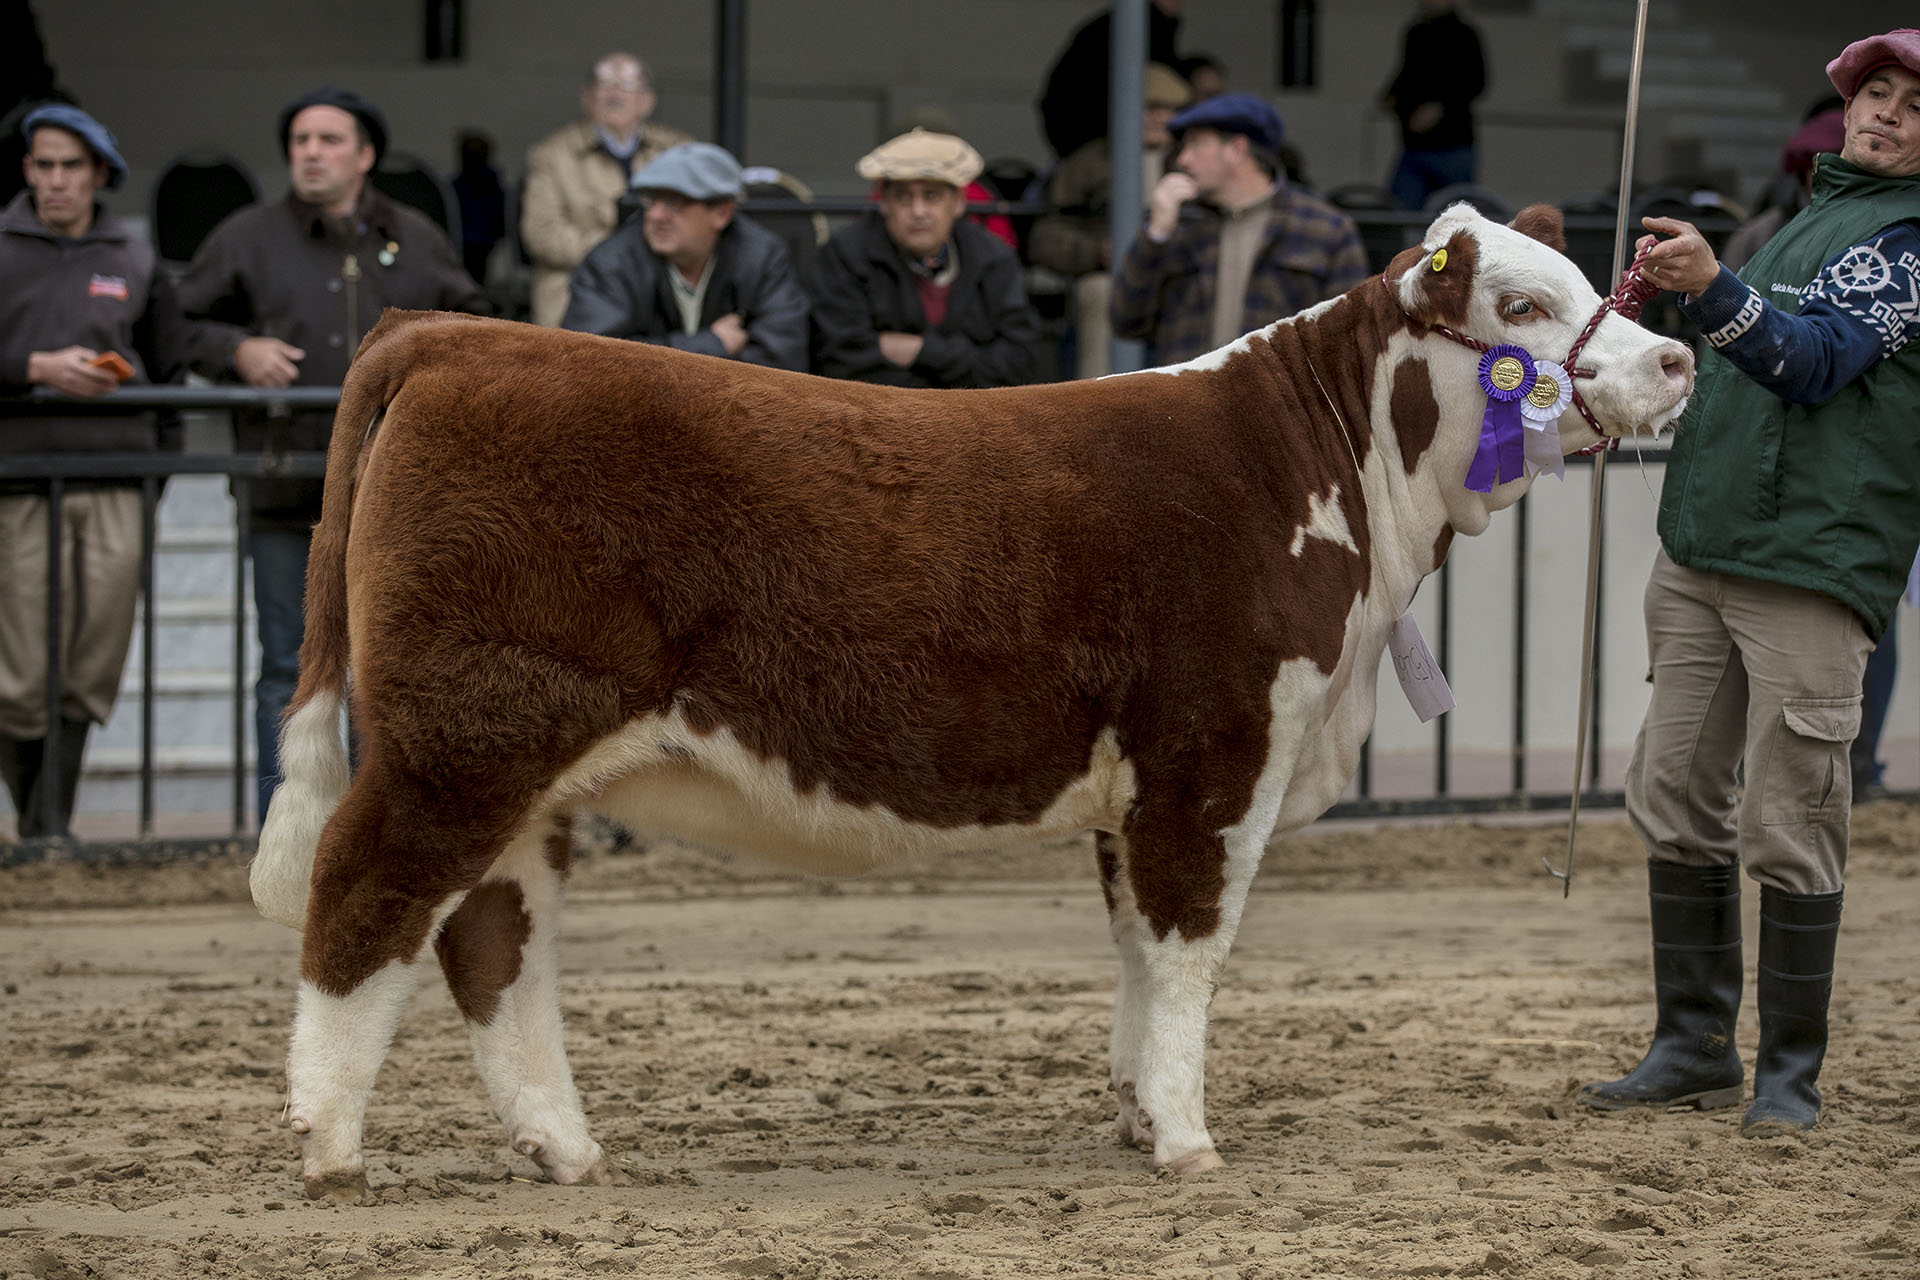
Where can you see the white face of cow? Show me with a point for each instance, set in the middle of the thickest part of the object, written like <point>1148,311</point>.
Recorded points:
<point>1499,285</point>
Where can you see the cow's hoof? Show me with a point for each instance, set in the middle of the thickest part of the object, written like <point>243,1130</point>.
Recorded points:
<point>348,1187</point>
<point>602,1174</point>
<point>1205,1160</point>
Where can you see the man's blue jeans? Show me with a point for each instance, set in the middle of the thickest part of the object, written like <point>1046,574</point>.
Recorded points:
<point>1421,173</point>
<point>279,592</point>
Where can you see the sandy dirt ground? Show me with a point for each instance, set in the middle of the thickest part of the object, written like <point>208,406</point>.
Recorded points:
<point>906,1077</point>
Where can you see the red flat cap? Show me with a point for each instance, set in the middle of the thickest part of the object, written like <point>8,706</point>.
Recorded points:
<point>1901,45</point>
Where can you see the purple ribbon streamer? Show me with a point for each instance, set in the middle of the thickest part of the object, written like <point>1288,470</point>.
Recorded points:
<point>1501,454</point>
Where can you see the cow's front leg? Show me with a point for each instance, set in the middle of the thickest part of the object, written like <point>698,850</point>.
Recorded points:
<point>498,954</point>
<point>1187,896</point>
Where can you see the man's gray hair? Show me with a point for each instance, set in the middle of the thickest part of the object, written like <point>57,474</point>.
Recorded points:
<point>646,72</point>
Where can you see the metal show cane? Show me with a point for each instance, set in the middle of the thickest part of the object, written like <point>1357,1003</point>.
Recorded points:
<point>1594,530</point>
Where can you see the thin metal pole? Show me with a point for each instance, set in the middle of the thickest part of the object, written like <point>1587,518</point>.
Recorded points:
<point>1595,527</point>
<point>49,783</point>
<point>149,500</point>
<point>1440,735</point>
<point>242,505</point>
<point>1520,647</point>
<point>1127,76</point>
<point>730,76</point>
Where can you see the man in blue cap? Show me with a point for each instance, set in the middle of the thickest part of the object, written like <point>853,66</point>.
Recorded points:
<point>1227,245</point>
<point>691,273</point>
<point>82,308</point>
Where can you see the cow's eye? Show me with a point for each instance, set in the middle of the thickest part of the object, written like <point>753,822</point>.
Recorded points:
<point>1514,308</point>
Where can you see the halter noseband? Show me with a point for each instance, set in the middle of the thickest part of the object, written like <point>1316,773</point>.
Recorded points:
<point>1627,300</point>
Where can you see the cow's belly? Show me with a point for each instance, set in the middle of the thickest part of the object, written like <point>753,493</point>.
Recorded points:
<point>660,779</point>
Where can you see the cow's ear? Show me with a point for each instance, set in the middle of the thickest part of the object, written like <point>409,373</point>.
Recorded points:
<point>1544,223</point>
<point>1435,285</point>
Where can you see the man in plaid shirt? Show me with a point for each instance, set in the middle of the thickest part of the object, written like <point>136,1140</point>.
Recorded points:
<point>1228,246</point>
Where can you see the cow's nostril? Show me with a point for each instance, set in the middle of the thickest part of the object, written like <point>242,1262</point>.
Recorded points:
<point>1677,367</point>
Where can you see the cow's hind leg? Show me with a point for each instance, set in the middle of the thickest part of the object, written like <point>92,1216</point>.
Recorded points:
<point>368,921</point>
<point>1186,899</point>
<point>498,953</point>
<point>1130,933</point>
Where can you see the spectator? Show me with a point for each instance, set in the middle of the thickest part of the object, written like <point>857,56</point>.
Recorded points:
<point>1788,521</point>
<point>295,283</point>
<point>483,203</point>
<point>1823,130</point>
<point>1073,106</point>
<point>937,119</point>
<point>691,273</point>
<point>913,295</point>
<point>1205,74</point>
<point>1441,73</point>
<point>576,176</point>
<point>1072,237</point>
<point>79,294</point>
<point>1227,245</point>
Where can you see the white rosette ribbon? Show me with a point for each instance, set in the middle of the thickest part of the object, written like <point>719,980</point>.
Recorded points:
<point>1542,418</point>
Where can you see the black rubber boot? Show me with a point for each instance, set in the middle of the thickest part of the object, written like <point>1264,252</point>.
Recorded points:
<point>73,745</point>
<point>1797,936</point>
<point>1696,982</point>
<point>20,770</point>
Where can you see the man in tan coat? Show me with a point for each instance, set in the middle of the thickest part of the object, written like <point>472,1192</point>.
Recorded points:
<point>576,176</point>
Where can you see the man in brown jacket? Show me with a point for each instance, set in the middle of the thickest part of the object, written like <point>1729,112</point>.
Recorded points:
<point>576,176</point>
<point>83,307</point>
<point>296,283</point>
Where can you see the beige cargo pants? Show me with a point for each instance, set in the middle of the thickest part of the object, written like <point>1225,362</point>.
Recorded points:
<point>1753,671</point>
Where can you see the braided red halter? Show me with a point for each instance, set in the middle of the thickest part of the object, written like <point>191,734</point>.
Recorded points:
<point>1627,300</point>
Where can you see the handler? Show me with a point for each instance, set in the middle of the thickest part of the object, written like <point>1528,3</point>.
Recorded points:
<point>1788,519</point>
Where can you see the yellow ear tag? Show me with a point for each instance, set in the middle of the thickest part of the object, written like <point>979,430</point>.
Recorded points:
<point>1439,259</point>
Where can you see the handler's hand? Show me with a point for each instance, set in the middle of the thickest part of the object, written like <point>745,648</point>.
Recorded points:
<point>732,334</point>
<point>267,362</point>
<point>1163,211</point>
<point>901,348</point>
<point>1684,263</point>
<point>68,370</point>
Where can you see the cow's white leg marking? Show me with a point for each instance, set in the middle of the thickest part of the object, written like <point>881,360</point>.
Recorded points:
<point>338,1045</point>
<point>519,1052</point>
<point>1130,931</point>
<point>1178,979</point>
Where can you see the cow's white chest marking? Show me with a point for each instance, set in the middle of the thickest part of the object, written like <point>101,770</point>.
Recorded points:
<point>1325,519</point>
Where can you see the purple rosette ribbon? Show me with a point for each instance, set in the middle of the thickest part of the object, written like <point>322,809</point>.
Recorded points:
<point>1506,375</point>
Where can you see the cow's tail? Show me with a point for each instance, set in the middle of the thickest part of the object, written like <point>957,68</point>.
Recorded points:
<point>313,746</point>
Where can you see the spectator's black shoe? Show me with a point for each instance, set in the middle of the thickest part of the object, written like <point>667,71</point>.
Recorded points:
<point>1797,937</point>
<point>1696,980</point>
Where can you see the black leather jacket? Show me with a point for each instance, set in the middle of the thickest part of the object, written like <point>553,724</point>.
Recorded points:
<point>622,290</point>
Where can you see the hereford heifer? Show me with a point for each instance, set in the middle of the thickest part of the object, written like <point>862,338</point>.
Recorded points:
<point>833,623</point>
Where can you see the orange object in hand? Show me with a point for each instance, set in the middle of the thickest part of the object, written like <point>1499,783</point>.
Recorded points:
<point>114,363</point>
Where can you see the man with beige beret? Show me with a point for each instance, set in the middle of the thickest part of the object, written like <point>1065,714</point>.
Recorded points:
<point>912,294</point>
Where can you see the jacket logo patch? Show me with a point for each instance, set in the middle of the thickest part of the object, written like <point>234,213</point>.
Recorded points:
<point>107,287</point>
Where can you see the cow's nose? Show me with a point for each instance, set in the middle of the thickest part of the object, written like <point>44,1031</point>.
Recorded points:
<point>1677,363</point>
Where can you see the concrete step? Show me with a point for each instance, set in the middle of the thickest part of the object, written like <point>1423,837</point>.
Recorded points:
<point>190,710</point>
<point>1702,66</point>
<point>1706,97</point>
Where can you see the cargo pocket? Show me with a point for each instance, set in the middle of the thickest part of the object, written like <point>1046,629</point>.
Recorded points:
<point>1803,782</point>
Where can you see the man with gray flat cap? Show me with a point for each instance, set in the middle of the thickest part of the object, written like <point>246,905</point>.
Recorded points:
<point>1789,518</point>
<point>690,272</point>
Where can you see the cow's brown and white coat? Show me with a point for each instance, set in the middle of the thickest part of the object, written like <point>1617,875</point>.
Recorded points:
<point>828,623</point>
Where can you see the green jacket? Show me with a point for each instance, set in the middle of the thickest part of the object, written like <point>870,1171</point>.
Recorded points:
<point>1822,496</point>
